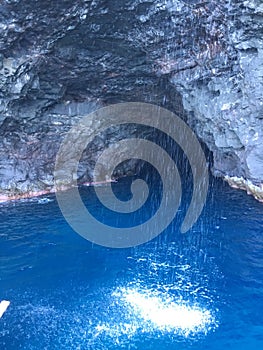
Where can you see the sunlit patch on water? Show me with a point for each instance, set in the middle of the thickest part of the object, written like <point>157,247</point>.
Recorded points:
<point>149,312</point>
<point>167,315</point>
<point>162,296</point>
<point>109,317</point>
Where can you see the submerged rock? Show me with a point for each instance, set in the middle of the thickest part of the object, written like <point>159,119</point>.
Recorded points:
<point>62,59</point>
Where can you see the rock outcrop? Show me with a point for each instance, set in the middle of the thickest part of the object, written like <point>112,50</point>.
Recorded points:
<point>61,59</point>
<point>223,92</point>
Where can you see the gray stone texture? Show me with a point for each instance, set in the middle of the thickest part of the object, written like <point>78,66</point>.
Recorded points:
<point>61,59</point>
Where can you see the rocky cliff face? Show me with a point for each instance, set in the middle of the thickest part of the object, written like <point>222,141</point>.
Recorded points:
<point>61,59</point>
<point>223,92</point>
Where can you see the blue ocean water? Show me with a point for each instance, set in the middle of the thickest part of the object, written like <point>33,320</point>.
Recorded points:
<point>200,290</point>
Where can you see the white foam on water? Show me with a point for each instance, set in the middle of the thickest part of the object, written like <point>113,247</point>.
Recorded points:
<point>44,200</point>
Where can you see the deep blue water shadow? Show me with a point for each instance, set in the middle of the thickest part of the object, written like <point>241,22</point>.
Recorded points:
<point>63,289</point>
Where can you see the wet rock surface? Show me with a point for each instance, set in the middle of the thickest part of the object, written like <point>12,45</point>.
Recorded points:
<point>60,60</point>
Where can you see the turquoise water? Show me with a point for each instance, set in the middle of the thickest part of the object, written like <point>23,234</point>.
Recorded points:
<point>201,290</point>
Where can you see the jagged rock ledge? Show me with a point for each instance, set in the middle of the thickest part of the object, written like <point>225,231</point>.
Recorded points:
<point>247,185</point>
<point>11,196</point>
